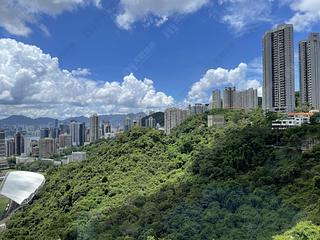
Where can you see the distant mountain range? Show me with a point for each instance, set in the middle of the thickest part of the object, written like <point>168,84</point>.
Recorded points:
<point>114,119</point>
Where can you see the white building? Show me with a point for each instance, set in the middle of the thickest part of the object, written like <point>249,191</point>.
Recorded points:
<point>290,122</point>
<point>24,159</point>
<point>216,120</point>
<point>198,108</point>
<point>77,157</point>
<point>150,122</point>
<point>247,99</point>
<point>216,99</point>
<point>77,132</point>
<point>10,147</point>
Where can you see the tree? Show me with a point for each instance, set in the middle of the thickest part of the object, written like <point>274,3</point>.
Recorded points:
<point>302,231</point>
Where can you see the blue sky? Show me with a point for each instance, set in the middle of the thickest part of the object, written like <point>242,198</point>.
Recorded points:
<point>187,48</point>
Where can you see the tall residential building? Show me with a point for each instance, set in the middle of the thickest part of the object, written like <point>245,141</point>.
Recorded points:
<point>65,140</point>
<point>229,97</point>
<point>309,66</point>
<point>247,99</point>
<point>2,143</point>
<point>150,122</point>
<point>278,69</point>
<point>94,128</point>
<point>18,144</point>
<point>28,145</point>
<point>106,127</point>
<point>64,128</point>
<point>127,124</point>
<point>77,132</point>
<point>44,132</point>
<point>136,122</point>
<point>54,132</point>
<point>198,108</point>
<point>173,117</point>
<point>216,99</point>
<point>47,147</point>
<point>10,148</point>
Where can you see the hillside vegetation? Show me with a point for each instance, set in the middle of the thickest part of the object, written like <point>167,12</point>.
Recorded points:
<point>244,181</point>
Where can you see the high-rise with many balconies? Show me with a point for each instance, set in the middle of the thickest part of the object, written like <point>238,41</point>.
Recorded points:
<point>309,66</point>
<point>94,128</point>
<point>216,99</point>
<point>2,143</point>
<point>77,132</point>
<point>173,117</point>
<point>229,97</point>
<point>278,69</point>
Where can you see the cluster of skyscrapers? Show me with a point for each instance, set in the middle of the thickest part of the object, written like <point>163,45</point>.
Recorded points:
<point>173,117</point>
<point>278,70</point>
<point>233,99</point>
<point>54,139</point>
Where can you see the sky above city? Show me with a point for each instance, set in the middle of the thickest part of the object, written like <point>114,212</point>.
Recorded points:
<point>62,58</point>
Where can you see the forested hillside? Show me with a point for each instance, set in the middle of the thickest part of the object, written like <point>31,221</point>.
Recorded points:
<point>244,181</point>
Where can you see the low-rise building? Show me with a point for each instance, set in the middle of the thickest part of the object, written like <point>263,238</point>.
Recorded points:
<point>24,159</point>
<point>290,122</point>
<point>77,157</point>
<point>216,120</point>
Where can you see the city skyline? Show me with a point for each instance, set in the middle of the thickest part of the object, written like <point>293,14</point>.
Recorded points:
<point>172,64</point>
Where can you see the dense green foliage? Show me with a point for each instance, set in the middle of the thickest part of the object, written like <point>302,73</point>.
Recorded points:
<point>303,230</point>
<point>35,166</point>
<point>244,181</point>
<point>3,205</point>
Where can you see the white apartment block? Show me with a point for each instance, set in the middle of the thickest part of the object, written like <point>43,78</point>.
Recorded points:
<point>278,69</point>
<point>309,66</point>
<point>173,117</point>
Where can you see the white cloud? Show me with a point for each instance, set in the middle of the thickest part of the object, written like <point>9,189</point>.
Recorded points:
<point>33,84</point>
<point>81,72</point>
<point>307,13</point>
<point>218,78</point>
<point>242,14</point>
<point>16,16</point>
<point>139,10</point>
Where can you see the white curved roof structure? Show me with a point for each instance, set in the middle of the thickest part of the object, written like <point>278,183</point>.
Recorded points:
<point>21,186</point>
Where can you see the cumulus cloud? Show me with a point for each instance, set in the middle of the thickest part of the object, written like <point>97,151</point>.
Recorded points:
<point>218,78</point>
<point>32,83</point>
<point>159,10</point>
<point>307,13</point>
<point>16,16</point>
